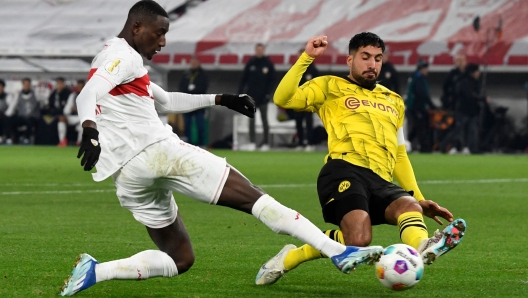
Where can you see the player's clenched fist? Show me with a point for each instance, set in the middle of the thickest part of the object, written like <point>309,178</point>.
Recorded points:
<point>242,103</point>
<point>90,147</point>
<point>316,46</point>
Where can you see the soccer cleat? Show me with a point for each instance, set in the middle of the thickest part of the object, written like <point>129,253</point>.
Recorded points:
<point>442,242</point>
<point>82,277</point>
<point>63,143</point>
<point>274,269</point>
<point>354,256</point>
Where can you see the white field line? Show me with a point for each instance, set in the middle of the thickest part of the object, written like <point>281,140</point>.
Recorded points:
<point>6,193</point>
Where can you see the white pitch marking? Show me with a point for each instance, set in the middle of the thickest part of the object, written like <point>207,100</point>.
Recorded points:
<point>478,181</point>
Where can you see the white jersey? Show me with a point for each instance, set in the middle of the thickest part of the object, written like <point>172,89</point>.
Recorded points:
<point>126,117</point>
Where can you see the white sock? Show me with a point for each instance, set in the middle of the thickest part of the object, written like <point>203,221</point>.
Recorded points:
<point>61,126</point>
<point>78,128</point>
<point>284,220</point>
<point>148,263</point>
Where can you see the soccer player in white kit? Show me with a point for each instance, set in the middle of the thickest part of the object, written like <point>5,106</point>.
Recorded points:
<point>124,136</point>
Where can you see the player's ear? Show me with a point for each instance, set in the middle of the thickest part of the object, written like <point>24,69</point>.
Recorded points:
<point>349,59</point>
<point>136,27</point>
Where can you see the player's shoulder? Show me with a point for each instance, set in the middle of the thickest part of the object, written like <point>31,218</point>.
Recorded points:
<point>118,48</point>
<point>382,89</point>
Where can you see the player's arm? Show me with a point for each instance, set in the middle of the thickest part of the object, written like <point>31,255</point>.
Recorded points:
<point>403,171</point>
<point>111,73</point>
<point>288,94</point>
<point>177,102</point>
<point>404,174</point>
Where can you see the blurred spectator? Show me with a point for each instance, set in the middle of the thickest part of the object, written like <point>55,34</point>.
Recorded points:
<point>55,108</point>
<point>195,81</point>
<point>305,141</point>
<point>22,113</point>
<point>448,89</point>
<point>389,75</point>
<point>257,81</point>
<point>467,112</point>
<point>70,110</point>
<point>3,110</point>
<point>418,104</point>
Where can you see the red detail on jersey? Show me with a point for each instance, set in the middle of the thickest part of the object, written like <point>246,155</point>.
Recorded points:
<point>297,216</point>
<point>139,274</point>
<point>98,110</point>
<point>138,86</point>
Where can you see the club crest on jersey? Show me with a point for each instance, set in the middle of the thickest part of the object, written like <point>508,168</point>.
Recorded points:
<point>94,142</point>
<point>344,185</point>
<point>112,67</point>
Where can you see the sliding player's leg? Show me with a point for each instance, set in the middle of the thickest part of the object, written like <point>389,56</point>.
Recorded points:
<point>239,193</point>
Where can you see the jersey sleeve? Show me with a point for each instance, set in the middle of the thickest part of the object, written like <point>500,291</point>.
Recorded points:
<point>403,171</point>
<point>117,70</point>
<point>306,98</point>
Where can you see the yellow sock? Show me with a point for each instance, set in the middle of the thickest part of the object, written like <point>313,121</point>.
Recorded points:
<point>297,256</point>
<point>412,228</point>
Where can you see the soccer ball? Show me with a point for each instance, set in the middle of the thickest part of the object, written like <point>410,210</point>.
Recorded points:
<point>400,268</point>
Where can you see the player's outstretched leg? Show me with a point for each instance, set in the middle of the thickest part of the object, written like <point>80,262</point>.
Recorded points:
<point>442,242</point>
<point>82,276</point>
<point>291,256</point>
<point>238,193</point>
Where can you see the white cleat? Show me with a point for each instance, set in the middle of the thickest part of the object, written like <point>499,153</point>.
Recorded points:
<point>274,269</point>
<point>442,242</point>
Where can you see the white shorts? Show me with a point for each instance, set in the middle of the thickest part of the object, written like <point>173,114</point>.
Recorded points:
<point>145,184</point>
<point>73,119</point>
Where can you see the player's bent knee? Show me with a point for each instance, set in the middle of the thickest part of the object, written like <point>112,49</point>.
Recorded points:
<point>358,240</point>
<point>400,206</point>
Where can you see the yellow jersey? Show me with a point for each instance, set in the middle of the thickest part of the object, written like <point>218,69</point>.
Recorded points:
<point>362,124</point>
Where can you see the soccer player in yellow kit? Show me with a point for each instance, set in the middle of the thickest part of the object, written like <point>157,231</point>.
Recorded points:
<point>366,147</point>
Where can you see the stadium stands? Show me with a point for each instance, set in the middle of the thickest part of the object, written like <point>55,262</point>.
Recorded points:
<point>227,37</point>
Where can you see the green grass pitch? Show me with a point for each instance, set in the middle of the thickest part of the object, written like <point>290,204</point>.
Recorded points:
<point>51,210</point>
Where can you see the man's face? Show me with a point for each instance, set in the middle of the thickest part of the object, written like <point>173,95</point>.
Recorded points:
<point>259,51</point>
<point>149,36</point>
<point>460,61</point>
<point>79,87</point>
<point>1,88</point>
<point>26,85</point>
<point>195,63</point>
<point>60,85</point>
<point>476,74</point>
<point>365,65</point>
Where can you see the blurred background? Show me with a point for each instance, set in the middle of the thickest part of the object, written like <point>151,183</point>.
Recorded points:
<point>54,41</point>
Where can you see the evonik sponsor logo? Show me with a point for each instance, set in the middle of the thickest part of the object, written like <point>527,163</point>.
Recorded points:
<point>353,103</point>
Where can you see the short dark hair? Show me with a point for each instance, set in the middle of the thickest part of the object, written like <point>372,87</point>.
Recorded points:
<point>81,81</point>
<point>26,79</point>
<point>471,68</point>
<point>147,9</point>
<point>2,82</point>
<point>260,45</point>
<point>364,39</point>
<point>60,79</point>
<point>421,64</point>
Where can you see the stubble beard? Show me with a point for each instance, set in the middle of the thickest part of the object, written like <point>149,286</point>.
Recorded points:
<point>362,81</point>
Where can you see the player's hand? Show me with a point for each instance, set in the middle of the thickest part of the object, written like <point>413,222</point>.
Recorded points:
<point>242,103</point>
<point>90,147</point>
<point>433,210</point>
<point>316,46</point>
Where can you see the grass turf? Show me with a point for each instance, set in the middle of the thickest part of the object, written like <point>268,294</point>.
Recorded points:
<point>50,211</point>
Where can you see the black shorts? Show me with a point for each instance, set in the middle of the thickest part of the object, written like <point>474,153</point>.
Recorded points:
<point>343,187</point>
